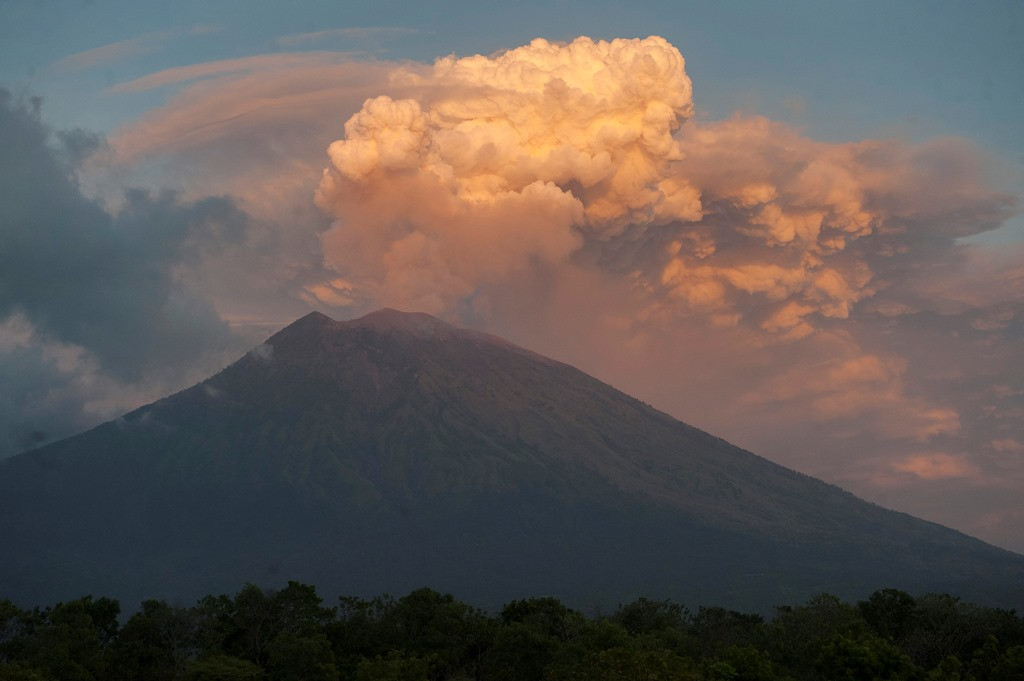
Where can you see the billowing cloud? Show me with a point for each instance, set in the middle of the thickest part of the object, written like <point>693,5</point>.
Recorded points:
<point>504,161</point>
<point>787,293</point>
<point>742,219</point>
<point>820,303</point>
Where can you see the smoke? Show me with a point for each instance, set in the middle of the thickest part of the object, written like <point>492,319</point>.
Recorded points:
<point>554,154</point>
<point>770,287</point>
<point>498,164</point>
<point>820,303</point>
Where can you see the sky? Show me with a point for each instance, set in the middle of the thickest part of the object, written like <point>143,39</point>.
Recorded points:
<point>796,225</point>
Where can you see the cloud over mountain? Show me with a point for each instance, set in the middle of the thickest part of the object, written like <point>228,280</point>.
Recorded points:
<point>821,302</point>
<point>570,183</point>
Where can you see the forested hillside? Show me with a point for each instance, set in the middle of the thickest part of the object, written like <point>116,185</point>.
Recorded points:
<point>291,635</point>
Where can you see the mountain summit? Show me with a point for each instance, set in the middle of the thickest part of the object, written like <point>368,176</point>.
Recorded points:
<point>395,451</point>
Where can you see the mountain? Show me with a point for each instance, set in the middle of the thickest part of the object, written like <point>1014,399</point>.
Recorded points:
<point>396,451</point>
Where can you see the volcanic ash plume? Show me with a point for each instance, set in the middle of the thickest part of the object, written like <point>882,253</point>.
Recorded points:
<point>495,163</point>
<point>493,171</point>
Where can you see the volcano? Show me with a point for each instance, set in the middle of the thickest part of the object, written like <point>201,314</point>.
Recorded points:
<point>396,451</point>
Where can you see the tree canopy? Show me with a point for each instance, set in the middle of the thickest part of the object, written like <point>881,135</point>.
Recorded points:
<point>289,634</point>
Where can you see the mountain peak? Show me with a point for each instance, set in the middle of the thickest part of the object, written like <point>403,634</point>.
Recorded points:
<point>309,336</point>
<point>394,450</point>
<point>314,319</point>
<point>417,323</point>
<point>384,319</point>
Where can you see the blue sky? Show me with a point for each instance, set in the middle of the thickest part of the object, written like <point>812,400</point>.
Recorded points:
<point>841,70</point>
<point>191,216</point>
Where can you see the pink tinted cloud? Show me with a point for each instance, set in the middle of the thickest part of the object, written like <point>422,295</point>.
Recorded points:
<point>937,466</point>
<point>347,33</point>
<point>807,300</point>
<point>256,63</point>
<point>123,49</point>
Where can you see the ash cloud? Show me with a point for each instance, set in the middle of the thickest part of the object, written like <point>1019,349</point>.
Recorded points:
<point>503,162</point>
<point>767,286</point>
<point>815,302</point>
<point>550,154</point>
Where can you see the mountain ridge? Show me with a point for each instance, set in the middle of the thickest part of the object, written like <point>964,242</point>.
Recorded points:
<point>412,452</point>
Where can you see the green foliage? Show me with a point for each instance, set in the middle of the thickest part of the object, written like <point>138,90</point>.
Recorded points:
<point>296,657</point>
<point>1010,666</point>
<point>257,617</point>
<point>625,663</point>
<point>942,626</point>
<point>66,641</point>
<point>547,616</point>
<point>716,628</point>
<point>949,669</point>
<point>12,624</point>
<point>644,616</point>
<point>357,632</point>
<point>743,662</point>
<point>863,658</point>
<point>395,666</point>
<point>220,667</point>
<point>888,612</point>
<point>797,635</point>
<point>154,644</point>
<point>519,652</point>
<point>288,635</point>
<point>18,672</point>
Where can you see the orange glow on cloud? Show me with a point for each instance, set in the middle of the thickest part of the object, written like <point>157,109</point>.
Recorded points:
<point>937,466</point>
<point>813,301</point>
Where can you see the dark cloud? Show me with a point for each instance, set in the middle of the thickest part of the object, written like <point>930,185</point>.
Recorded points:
<point>105,288</point>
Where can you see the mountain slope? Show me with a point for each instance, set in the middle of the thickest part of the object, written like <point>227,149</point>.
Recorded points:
<point>395,451</point>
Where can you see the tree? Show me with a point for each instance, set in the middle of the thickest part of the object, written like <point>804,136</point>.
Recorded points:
<point>627,663</point>
<point>357,632</point>
<point>943,625</point>
<point>395,666</point>
<point>257,616</point>
<point>301,657</point>
<point>866,657</point>
<point>717,628</point>
<point>440,628</point>
<point>220,667</point>
<point>798,634</point>
<point>644,616</point>
<point>155,643</point>
<point>17,672</point>
<point>519,652</point>
<point>888,612</point>
<point>68,640</point>
<point>12,626</point>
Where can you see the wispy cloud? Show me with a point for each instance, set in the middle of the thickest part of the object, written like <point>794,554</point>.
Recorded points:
<point>147,43</point>
<point>262,62</point>
<point>82,61</point>
<point>350,33</point>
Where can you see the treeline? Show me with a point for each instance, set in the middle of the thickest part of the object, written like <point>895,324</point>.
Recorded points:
<point>290,635</point>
